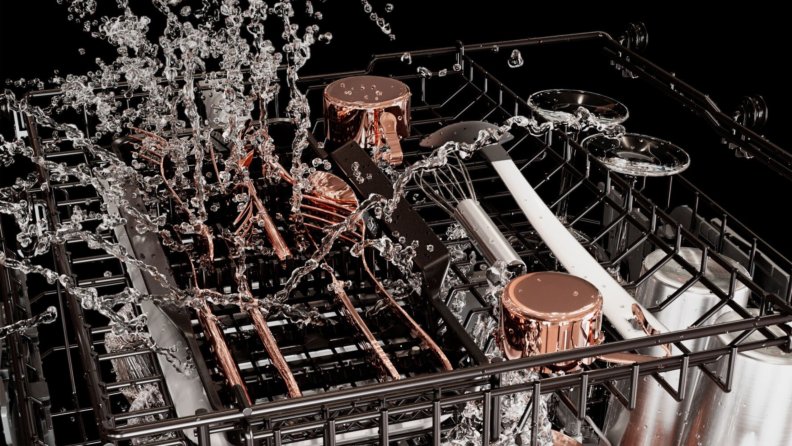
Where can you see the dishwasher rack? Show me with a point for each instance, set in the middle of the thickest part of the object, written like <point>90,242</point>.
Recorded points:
<point>666,214</point>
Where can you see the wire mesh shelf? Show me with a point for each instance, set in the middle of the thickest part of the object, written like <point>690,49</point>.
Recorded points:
<point>344,402</point>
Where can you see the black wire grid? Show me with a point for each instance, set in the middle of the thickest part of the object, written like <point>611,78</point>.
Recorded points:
<point>84,406</point>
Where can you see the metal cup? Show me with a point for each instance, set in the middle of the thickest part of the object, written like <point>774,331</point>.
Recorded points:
<point>548,312</point>
<point>658,418</point>
<point>756,410</point>
<point>370,110</point>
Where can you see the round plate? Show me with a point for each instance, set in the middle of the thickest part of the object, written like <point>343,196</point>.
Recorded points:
<point>560,106</point>
<point>638,155</point>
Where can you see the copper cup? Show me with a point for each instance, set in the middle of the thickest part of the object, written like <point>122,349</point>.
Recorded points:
<point>370,110</point>
<point>548,312</point>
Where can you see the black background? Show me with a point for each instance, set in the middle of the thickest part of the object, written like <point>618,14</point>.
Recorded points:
<point>723,51</point>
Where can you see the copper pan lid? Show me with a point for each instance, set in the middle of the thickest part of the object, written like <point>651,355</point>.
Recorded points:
<point>551,297</point>
<point>366,92</point>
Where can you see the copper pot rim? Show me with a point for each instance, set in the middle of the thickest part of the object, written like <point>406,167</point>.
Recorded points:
<point>522,311</point>
<point>334,100</point>
<point>560,439</point>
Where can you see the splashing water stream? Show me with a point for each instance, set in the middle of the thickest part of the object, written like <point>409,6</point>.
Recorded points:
<point>219,50</point>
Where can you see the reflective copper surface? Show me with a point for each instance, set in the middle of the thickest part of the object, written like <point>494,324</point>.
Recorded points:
<point>278,244</point>
<point>271,345</point>
<point>370,110</point>
<point>549,312</point>
<point>382,362</point>
<point>560,439</point>
<point>335,196</point>
<point>415,329</point>
<point>225,362</point>
<point>330,186</point>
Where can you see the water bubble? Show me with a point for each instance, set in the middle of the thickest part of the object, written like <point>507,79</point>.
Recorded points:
<point>442,72</point>
<point>516,60</point>
<point>457,67</point>
<point>424,72</point>
<point>81,51</point>
<point>389,7</point>
<point>406,57</point>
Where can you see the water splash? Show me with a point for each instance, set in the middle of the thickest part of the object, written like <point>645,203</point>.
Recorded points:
<point>516,59</point>
<point>167,165</point>
<point>47,317</point>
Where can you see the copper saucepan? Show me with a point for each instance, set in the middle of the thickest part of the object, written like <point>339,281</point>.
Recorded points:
<point>548,312</point>
<point>370,110</point>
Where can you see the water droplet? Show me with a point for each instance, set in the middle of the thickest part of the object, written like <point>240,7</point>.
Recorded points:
<point>516,60</point>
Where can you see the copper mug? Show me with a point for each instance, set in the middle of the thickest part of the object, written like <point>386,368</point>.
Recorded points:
<point>370,110</point>
<point>548,312</point>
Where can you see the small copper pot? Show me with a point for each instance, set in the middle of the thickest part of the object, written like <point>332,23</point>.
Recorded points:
<point>548,312</point>
<point>370,110</point>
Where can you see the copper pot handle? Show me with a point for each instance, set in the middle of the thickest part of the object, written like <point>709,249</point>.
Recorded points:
<point>391,138</point>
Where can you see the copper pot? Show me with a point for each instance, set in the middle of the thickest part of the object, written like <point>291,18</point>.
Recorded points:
<point>548,312</point>
<point>370,110</point>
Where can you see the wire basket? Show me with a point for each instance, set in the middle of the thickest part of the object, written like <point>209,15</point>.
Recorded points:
<point>343,401</point>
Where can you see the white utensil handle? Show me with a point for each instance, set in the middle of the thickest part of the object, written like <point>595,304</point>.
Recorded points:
<point>617,303</point>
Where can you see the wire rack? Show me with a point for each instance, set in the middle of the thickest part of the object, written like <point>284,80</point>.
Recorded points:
<point>342,393</point>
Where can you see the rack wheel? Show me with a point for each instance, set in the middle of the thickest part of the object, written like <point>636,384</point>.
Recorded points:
<point>636,37</point>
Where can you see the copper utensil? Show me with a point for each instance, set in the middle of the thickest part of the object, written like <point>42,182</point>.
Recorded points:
<point>332,200</point>
<point>330,189</point>
<point>214,336</point>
